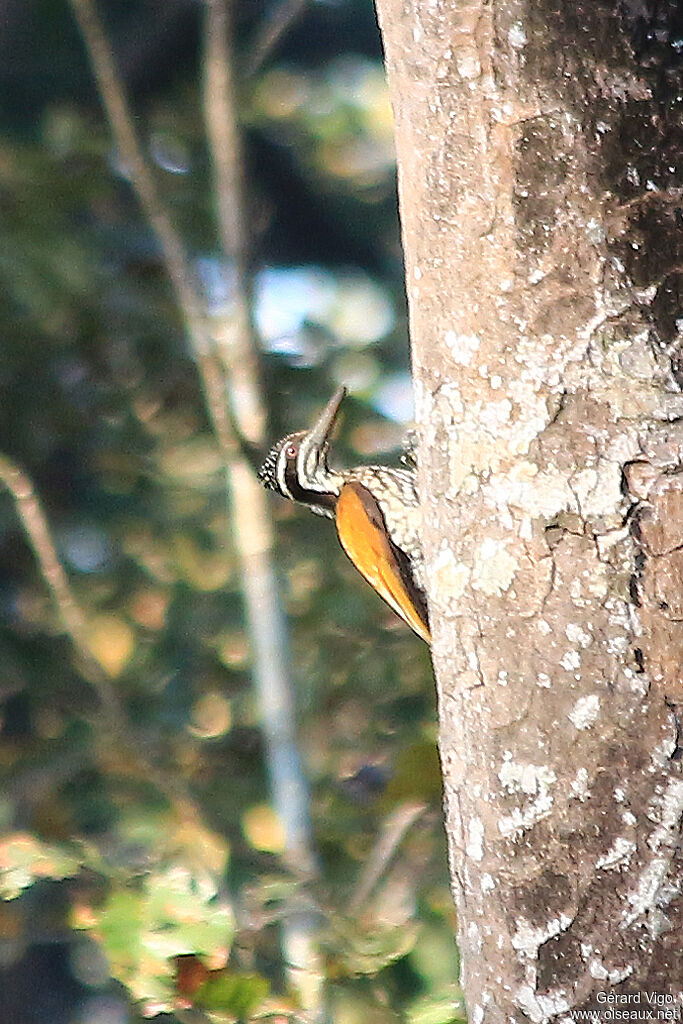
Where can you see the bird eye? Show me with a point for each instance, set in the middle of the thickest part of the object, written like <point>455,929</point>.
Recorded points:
<point>290,451</point>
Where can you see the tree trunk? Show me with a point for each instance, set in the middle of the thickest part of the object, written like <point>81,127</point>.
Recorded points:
<point>542,206</point>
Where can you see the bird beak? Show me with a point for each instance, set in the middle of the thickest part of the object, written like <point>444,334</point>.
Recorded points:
<point>320,432</point>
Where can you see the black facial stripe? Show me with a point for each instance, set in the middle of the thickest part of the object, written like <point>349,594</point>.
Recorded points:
<point>322,498</point>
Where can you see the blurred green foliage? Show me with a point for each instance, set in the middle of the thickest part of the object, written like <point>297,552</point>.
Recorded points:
<point>100,404</point>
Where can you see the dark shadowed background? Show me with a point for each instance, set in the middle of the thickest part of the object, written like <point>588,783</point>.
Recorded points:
<point>105,881</point>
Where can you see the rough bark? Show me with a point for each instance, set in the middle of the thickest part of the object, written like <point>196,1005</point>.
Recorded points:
<point>539,148</point>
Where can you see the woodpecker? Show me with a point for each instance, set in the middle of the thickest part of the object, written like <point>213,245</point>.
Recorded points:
<point>375,509</point>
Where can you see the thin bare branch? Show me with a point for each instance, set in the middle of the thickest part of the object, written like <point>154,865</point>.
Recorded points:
<point>131,158</point>
<point>220,115</point>
<point>251,518</point>
<point>274,28</point>
<point>34,521</point>
<point>233,335</point>
<point>143,183</point>
<point>393,832</point>
<point>39,536</point>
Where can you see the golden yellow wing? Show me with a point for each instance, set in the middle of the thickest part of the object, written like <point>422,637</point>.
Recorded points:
<point>363,535</point>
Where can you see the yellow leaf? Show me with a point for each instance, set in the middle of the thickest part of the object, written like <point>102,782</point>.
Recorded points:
<point>263,829</point>
<point>111,642</point>
<point>211,716</point>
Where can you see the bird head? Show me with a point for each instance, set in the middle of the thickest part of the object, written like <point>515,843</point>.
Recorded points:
<point>296,467</point>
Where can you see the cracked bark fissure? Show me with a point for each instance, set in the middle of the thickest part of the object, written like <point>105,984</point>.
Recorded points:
<point>539,151</point>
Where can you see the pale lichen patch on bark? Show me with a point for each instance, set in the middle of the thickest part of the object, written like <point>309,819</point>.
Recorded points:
<point>477,1014</point>
<point>577,634</point>
<point>535,493</point>
<point>494,567</point>
<point>474,936</point>
<point>656,886</point>
<point>541,1008</point>
<point>618,855</point>
<point>598,971</point>
<point>449,579</point>
<point>571,662</point>
<point>585,711</point>
<point>475,839</point>
<point>579,785</point>
<point>530,780</point>
<point>525,778</point>
<point>462,346</point>
<point>527,940</point>
<point>663,752</point>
